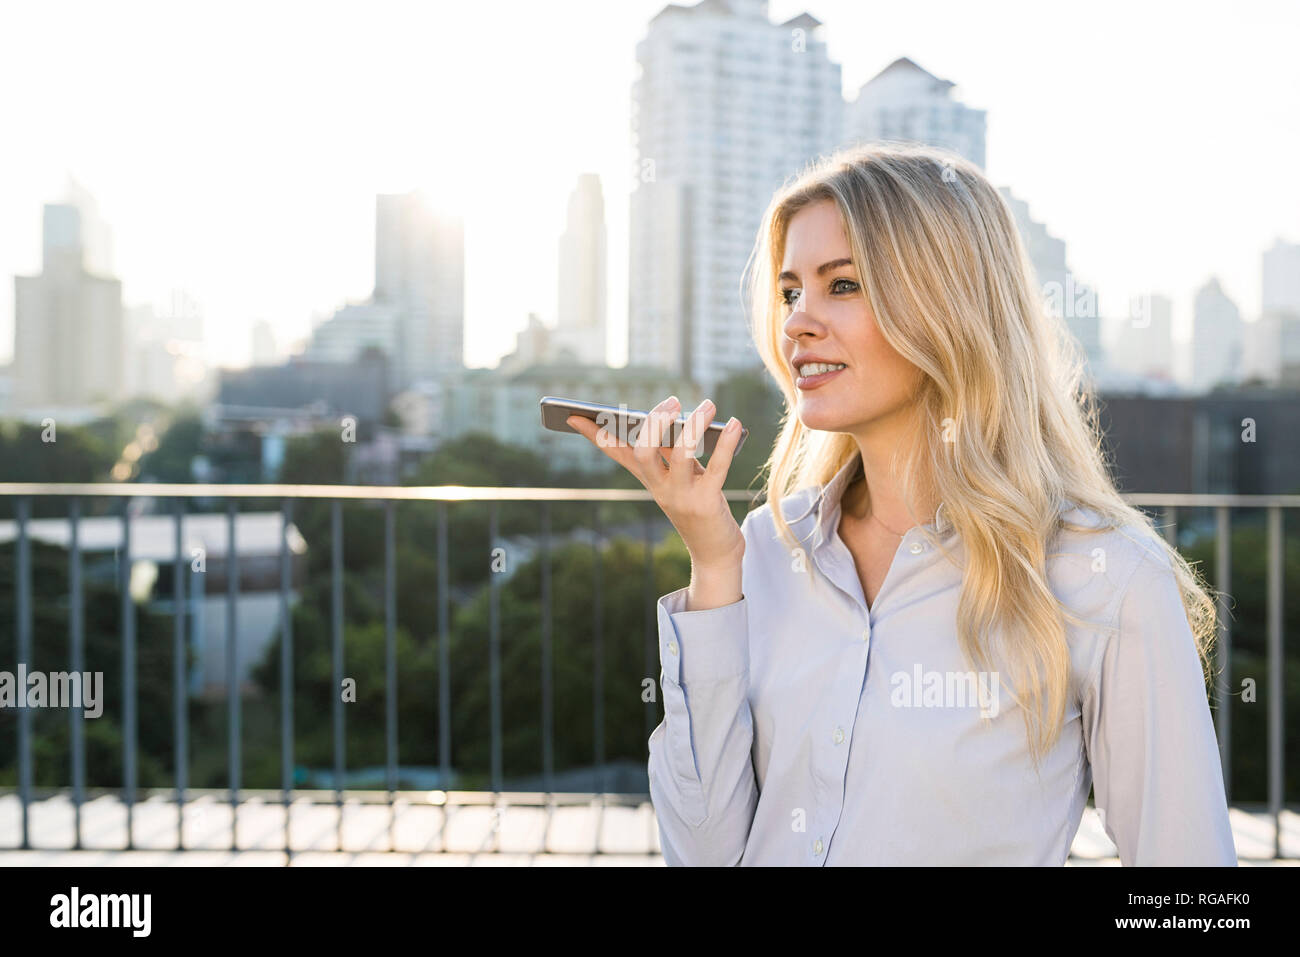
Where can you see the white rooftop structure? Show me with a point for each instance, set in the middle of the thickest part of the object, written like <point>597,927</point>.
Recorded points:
<point>153,537</point>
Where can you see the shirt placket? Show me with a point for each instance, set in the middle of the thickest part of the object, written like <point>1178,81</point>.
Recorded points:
<point>837,719</point>
<point>835,561</point>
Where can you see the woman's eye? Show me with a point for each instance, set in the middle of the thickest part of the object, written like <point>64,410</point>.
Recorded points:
<point>791,296</point>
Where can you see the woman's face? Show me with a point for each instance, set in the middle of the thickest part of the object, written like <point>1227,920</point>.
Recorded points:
<point>828,317</point>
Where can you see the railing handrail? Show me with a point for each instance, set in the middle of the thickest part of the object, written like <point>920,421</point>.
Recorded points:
<point>432,493</point>
<point>487,493</point>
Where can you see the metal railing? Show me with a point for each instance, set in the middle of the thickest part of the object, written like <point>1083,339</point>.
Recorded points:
<point>23,493</point>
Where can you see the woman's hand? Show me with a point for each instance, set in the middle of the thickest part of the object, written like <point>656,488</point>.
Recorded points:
<point>689,494</point>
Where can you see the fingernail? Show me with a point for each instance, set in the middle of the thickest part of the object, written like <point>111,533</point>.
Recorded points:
<point>731,424</point>
<point>673,402</point>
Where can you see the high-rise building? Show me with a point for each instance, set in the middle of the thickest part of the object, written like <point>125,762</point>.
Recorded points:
<point>1280,278</point>
<point>1144,341</point>
<point>420,271</point>
<point>165,352</point>
<point>581,314</point>
<point>1271,348</point>
<point>96,236</point>
<point>1274,340</point>
<point>355,327</point>
<point>728,105</point>
<point>1217,335</point>
<point>1070,300</point>
<point>69,342</point>
<point>533,344</point>
<point>263,348</point>
<point>904,103</point>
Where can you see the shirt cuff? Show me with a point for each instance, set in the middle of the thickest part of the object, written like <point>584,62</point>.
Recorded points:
<point>699,647</point>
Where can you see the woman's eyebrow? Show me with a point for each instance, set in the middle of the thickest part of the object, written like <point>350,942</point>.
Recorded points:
<point>822,270</point>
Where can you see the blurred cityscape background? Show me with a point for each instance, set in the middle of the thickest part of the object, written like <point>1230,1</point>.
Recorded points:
<point>509,676</point>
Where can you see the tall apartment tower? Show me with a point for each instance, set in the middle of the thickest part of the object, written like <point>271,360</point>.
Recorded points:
<point>1144,343</point>
<point>903,102</point>
<point>581,306</point>
<point>728,106</point>
<point>69,345</point>
<point>1217,334</point>
<point>1276,337</point>
<point>1280,278</point>
<point>420,272</point>
<point>1073,302</point>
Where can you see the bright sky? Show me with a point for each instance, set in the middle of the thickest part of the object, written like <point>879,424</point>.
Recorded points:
<point>236,148</point>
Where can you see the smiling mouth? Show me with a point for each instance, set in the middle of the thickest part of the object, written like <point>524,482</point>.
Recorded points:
<point>810,369</point>
<point>816,373</point>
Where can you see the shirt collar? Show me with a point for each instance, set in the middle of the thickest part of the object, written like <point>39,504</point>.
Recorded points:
<point>827,503</point>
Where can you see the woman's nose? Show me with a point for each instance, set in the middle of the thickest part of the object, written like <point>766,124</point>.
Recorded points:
<point>800,321</point>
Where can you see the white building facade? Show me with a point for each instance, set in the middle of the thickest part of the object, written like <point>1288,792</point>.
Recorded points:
<point>69,328</point>
<point>420,272</point>
<point>582,314</point>
<point>905,103</point>
<point>728,105</point>
<point>1217,338</point>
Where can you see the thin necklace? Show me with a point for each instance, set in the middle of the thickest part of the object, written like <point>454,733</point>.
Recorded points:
<point>872,516</point>
<point>884,526</point>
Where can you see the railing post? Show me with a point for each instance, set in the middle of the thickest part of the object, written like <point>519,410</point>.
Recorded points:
<point>23,626</point>
<point>494,647</point>
<point>390,663</point>
<point>233,701</point>
<point>77,622</point>
<point>1276,664</point>
<point>128,676</point>
<point>336,577</point>
<point>1170,522</point>
<point>1223,672</point>
<point>651,633</point>
<point>286,671</point>
<point>548,668</point>
<point>179,678</point>
<point>598,650</point>
<point>444,653</point>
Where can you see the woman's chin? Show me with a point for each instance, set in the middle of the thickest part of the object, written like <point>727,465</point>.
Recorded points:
<point>821,419</point>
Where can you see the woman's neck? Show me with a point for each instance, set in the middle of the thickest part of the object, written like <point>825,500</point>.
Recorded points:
<point>872,493</point>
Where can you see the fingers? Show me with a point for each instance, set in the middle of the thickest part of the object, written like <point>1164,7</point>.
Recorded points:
<point>650,436</point>
<point>642,457</point>
<point>723,452</point>
<point>683,459</point>
<point>645,458</point>
<point>603,440</point>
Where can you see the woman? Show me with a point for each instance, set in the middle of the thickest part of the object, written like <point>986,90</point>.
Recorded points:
<point>953,626</point>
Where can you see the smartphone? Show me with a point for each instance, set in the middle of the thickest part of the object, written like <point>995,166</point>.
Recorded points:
<point>619,421</point>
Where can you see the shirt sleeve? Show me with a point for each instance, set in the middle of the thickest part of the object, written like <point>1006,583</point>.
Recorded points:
<point>701,774</point>
<point>1157,780</point>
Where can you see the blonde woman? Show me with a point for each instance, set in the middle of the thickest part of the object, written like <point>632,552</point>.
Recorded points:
<point>953,626</point>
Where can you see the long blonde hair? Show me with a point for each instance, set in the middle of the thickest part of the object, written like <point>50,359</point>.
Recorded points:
<point>1007,432</point>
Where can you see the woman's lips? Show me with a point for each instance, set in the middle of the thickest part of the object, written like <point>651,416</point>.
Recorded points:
<point>816,381</point>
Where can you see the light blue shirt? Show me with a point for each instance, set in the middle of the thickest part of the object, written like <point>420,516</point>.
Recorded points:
<point>802,728</point>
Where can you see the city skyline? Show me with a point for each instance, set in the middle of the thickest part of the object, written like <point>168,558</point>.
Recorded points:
<point>303,169</point>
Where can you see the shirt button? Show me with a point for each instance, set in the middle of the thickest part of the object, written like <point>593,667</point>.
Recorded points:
<point>839,736</point>
<point>817,846</point>
<point>917,548</point>
<point>672,647</point>
<point>866,634</point>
